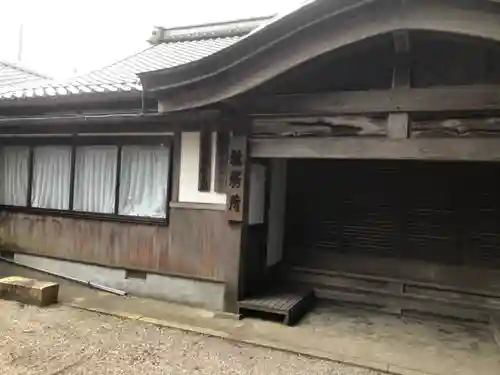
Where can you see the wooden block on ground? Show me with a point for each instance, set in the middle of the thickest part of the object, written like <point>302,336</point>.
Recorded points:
<point>29,291</point>
<point>495,325</point>
<point>291,305</point>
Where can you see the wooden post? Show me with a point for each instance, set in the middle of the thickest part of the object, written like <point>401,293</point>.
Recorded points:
<point>398,124</point>
<point>237,171</point>
<point>237,215</point>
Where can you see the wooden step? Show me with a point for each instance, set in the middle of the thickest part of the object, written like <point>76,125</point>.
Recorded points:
<point>459,278</point>
<point>287,305</point>
<point>395,295</point>
<point>402,306</point>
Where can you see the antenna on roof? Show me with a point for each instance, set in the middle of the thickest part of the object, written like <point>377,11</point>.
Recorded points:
<point>20,44</point>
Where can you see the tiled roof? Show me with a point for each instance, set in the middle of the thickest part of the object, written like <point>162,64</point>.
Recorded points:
<point>13,75</point>
<point>172,47</point>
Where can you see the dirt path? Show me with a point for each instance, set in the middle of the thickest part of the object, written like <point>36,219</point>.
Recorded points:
<point>62,340</point>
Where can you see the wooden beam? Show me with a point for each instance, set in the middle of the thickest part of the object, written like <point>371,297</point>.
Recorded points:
<point>456,127</point>
<point>320,126</point>
<point>398,124</point>
<point>104,120</point>
<point>176,167</point>
<point>465,149</point>
<point>402,65</point>
<point>436,99</point>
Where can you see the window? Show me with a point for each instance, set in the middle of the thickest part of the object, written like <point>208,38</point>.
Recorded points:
<point>14,175</point>
<point>144,181</point>
<point>213,166</point>
<point>51,177</point>
<point>120,177</point>
<point>95,179</point>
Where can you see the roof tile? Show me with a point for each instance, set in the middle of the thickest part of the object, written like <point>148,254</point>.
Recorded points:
<point>13,76</point>
<point>120,76</point>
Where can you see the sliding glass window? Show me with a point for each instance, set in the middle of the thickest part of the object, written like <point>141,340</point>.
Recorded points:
<point>124,177</point>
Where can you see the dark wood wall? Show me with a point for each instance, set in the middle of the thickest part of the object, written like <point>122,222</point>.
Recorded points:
<point>437,212</point>
<point>97,242</point>
<point>196,243</point>
<point>436,59</point>
<point>450,60</point>
<point>371,60</point>
<point>203,243</point>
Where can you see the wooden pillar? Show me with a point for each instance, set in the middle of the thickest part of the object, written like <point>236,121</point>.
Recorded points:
<point>495,325</point>
<point>398,124</point>
<point>237,178</point>
<point>237,216</point>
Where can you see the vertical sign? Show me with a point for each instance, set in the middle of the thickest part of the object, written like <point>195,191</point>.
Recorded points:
<point>236,177</point>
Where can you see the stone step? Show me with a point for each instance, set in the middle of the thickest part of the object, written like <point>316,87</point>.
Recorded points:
<point>29,291</point>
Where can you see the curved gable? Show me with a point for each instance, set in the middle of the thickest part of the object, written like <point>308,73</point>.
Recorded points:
<point>318,28</point>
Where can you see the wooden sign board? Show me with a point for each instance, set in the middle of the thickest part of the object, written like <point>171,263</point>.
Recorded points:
<point>236,178</point>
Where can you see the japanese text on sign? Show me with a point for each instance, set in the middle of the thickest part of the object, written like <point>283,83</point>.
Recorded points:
<point>236,178</point>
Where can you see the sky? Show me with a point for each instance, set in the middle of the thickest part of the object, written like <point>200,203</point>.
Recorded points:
<point>61,38</point>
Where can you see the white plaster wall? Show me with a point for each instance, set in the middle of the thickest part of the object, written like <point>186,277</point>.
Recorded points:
<point>207,294</point>
<point>277,209</point>
<point>190,161</point>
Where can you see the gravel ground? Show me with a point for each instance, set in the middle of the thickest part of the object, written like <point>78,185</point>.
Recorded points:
<point>62,340</point>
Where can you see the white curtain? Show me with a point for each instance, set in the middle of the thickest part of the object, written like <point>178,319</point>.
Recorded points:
<point>95,179</point>
<point>144,181</point>
<point>51,177</point>
<point>14,175</point>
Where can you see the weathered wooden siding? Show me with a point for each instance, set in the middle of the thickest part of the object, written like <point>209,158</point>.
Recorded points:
<point>456,128</point>
<point>194,244</point>
<point>202,243</point>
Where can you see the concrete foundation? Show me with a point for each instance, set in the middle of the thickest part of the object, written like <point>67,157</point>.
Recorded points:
<point>206,294</point>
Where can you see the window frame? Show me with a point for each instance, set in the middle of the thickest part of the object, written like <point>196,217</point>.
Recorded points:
<point>205,161</point>
<point>213,161</point>
<point>28,173</point>
<point>82,140</point>
<point>222,141</point>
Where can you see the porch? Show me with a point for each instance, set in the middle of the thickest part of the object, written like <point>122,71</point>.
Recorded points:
<point>398,236</point>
